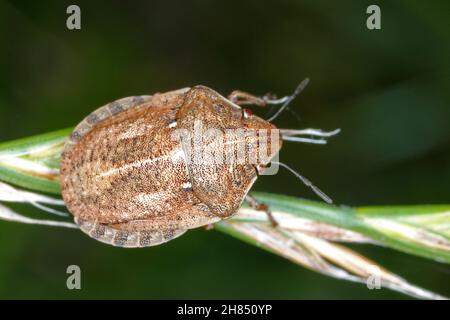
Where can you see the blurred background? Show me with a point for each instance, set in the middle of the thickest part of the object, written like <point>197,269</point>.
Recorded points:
<point>388,90</point>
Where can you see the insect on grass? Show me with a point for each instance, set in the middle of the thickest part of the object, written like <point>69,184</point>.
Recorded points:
<point>143,170</point>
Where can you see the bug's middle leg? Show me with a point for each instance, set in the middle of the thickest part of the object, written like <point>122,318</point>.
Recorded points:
<point>255,204</point>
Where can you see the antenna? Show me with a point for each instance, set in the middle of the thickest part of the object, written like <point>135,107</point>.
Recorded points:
<point>292,135</point>
<point>306,182</point>
<point>297,91</point>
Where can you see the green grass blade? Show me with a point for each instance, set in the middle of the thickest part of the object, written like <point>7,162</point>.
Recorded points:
<point>419,230</point>
<point>21,161</point>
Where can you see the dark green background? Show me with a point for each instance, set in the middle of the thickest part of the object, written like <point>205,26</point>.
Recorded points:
<point>388,90</point>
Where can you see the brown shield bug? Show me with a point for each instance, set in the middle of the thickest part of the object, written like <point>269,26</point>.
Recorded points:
<point>127,173</point>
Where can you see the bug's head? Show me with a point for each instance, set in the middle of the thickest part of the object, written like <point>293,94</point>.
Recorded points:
<point>262,137</point>
<point>274,141</point>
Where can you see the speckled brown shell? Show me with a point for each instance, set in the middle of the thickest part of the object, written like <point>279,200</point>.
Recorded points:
<point>127,182</point>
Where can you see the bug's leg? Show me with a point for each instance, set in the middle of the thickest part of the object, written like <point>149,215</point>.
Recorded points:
<point>243,98</point>
<point>255,204</point>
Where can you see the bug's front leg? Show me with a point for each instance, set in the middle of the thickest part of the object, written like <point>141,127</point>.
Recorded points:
<point>244,98</point>
<point>255,204</point>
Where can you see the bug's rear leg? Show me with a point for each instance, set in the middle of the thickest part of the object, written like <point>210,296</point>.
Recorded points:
<point>255,204</point>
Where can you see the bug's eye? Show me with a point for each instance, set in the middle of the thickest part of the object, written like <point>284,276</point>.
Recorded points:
<point>246,113</point>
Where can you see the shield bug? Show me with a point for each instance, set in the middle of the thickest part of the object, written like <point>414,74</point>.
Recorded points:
<point>128,175</point>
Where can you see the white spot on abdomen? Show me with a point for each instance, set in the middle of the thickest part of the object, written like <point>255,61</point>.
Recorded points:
<point>187,185</point>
